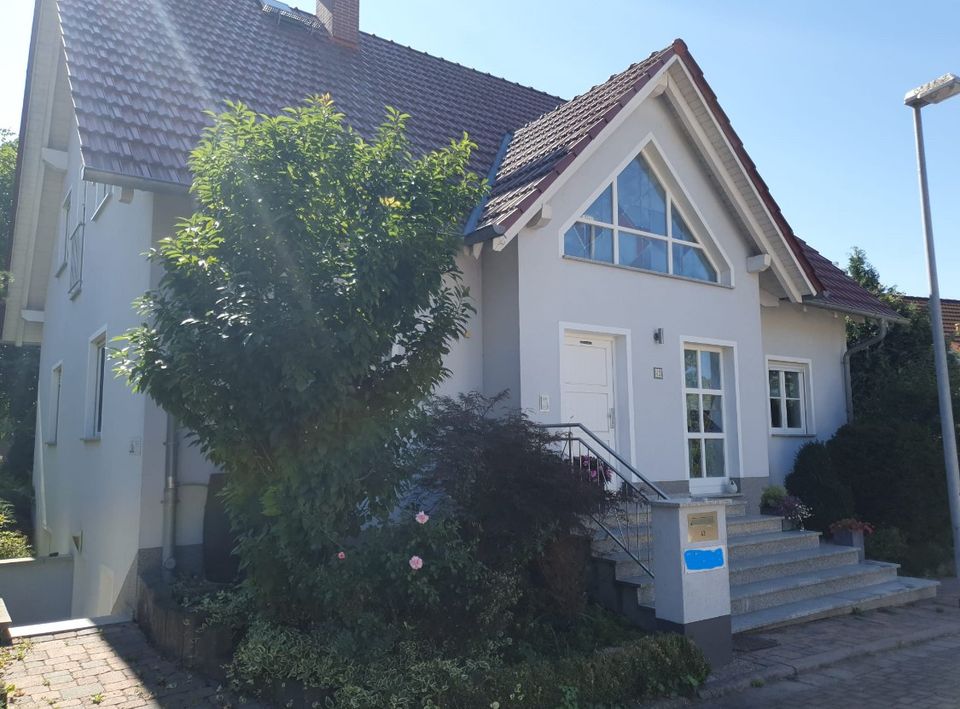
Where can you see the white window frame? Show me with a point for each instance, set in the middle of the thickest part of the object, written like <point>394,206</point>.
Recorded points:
<point>702,435</point>
<point>804,367</point>
<point>615,227</point>
<point>54,396</point>
<point>96,385</point>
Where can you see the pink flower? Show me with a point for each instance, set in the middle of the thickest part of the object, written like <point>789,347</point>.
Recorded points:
<point>342,555</point>
<point>422,517</point>
<point>416,563</point>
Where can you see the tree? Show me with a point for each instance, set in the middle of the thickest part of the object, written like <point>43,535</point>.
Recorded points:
<point>302,316</point>
<point>886,466</point>
<point>18,370</point>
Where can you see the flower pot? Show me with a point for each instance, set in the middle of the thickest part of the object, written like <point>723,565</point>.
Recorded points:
<point>850,538</point>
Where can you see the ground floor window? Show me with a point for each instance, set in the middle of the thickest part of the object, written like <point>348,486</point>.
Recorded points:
<point>704,402</point>
<point>788,391</point>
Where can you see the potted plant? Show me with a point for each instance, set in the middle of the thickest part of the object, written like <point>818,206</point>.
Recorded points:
<point>794,512</point>
<point>770,499</point>
<point>850,532</point>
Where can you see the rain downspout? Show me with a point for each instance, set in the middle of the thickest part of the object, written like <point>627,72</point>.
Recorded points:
<point>859,347</point>
<point>171,465</point>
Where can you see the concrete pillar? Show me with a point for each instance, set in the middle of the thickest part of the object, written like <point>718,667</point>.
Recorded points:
<point>692,573</point>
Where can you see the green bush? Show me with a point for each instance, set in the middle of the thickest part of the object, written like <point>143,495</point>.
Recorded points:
<point>819,483</point>
<point>887,544</point>
<point>888,473</point>
<point>772,496</point>
<point>13,544</point>
<point>414,675</point>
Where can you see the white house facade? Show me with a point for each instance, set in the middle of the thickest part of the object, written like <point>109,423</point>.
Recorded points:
<point>634,276</point>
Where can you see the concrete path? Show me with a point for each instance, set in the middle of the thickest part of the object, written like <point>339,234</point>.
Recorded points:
<point>108,666</point>
<point>906,656</point>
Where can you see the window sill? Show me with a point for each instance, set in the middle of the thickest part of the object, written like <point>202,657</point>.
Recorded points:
<point>63,265</point>
<point>75,291</point>
<point>791,434</point>
<point>634,269</point>
<point>91,439</point>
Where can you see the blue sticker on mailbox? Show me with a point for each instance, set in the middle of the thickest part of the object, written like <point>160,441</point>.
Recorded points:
<point>703,559</point>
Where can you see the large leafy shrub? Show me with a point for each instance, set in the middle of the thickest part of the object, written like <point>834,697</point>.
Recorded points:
<point>302,315</point>
<point>886,467</point>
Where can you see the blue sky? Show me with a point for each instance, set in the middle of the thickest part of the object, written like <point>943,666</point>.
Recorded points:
<point>815,90</point>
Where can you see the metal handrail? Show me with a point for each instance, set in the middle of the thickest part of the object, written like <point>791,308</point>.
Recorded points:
<point>619,458</point>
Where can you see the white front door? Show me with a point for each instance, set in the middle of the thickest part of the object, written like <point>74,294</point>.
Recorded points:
<point>587,390</point>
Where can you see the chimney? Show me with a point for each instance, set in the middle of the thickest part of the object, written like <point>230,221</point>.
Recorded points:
<point>342,20</point>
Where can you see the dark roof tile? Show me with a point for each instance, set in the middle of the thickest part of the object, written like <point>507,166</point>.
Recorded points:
<point>170,60</point>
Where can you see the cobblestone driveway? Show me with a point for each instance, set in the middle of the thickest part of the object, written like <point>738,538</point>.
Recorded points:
<point>109,666</point>
<point>921,677</point>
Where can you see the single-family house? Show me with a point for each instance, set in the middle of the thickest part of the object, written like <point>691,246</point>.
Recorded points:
<point>630,269</point>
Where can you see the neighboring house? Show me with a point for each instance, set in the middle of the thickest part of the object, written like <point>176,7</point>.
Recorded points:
<point>630,269</point>
<point>950,311</point>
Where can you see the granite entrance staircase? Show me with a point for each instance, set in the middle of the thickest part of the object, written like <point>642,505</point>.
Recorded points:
<point>776,577</point>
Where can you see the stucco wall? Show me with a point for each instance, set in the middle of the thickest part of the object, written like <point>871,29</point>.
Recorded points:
<point>37,590</point>
<point>87,488</point>
<point>465,360</point>
<point>819,336</point>
<point>501,323</point>
<point>554,289</point>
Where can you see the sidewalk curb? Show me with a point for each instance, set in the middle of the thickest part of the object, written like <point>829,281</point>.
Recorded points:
<point>780,671</point>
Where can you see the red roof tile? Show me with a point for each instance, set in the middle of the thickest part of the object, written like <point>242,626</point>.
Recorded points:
<point>950,310</point>
<point>545,147</point>
<point>840,292</point>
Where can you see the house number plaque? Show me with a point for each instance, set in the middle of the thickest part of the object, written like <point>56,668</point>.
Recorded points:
<point>702,527</point>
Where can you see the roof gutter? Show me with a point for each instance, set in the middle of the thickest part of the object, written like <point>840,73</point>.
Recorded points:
<point>107,177</point>
<point>859,347</point>
<point>847,310</point>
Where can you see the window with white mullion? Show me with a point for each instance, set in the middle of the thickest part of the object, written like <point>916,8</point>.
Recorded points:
<point>704,401</point>
<point>787,394</point>
<point>634,222</point>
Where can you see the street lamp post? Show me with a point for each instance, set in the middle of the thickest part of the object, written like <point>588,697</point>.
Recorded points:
<point>936,91</point>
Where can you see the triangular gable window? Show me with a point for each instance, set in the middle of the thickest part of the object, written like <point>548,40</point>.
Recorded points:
<point>635,222</point>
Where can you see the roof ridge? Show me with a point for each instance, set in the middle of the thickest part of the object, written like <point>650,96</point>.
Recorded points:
<point>560,99</point>
<point>502,79</point>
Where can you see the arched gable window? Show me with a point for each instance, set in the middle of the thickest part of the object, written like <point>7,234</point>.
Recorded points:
<point>635,222</point>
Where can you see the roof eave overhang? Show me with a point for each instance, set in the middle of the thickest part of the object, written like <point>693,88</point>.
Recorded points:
<point>817,302</point>
<point>91,174</point>
<point>12,330</point>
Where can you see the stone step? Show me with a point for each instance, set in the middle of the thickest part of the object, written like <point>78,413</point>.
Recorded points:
<point>639,586</point>
<point>760,568</point>
<point>760,595</point>
<point>740,525</point>
<point>896,592</point>
<point>750,545</point>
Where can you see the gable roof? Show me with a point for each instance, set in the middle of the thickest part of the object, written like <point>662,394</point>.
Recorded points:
<point>143,73</point>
